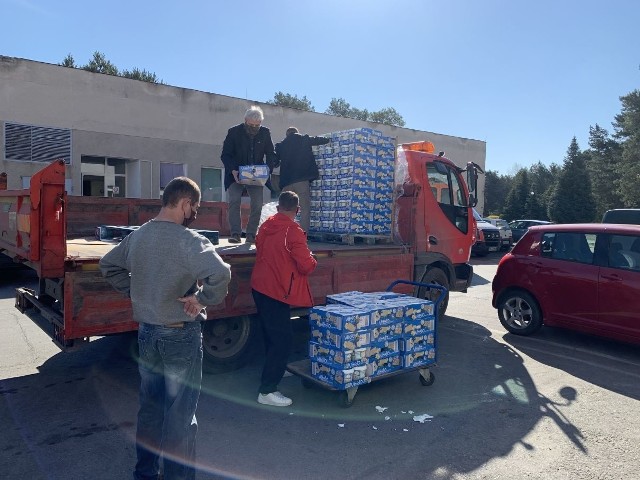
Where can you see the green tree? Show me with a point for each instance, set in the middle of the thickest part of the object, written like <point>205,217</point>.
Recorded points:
<point>541,181</point>
<point>142,75</point>
<point>516,203</point>
<point>68,62</point>
<point>388,116</point>
<point>341,108</point>
<point>572,200</point>
<point>292,101</point>
<point>100,64</point>
<point>496,188</point>
<point>627,126</point>
<point>603,162</point>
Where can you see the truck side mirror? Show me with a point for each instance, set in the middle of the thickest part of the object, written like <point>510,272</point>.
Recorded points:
<point>472,179</point>
<point>473,201</point>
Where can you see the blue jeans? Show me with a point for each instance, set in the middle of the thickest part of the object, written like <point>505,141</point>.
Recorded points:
<point>170,378</point>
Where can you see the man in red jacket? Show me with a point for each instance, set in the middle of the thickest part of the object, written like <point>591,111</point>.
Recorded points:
<point>279,281</point>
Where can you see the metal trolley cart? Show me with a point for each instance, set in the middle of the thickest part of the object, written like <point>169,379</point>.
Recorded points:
<point>302,368</point>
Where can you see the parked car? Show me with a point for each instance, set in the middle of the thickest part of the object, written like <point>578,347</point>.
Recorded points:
<point>506,235</point>
<point>487,237</point>
<point>622,215</point>
<point>519,227</point>
<point>583,277</point>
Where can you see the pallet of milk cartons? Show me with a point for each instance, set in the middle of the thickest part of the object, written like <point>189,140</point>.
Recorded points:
<point>358,338</point>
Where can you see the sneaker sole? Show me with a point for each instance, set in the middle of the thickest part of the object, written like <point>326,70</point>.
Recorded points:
<point>262,402</point>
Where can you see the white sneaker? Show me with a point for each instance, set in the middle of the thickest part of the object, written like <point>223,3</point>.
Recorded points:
<point>275,399</point>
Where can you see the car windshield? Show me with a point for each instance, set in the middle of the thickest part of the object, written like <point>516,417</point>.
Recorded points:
<point>477,216</point>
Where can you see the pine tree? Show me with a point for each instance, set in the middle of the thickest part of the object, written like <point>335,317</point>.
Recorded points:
<point>627,125</point>
<point>603,163</point>
<point>515,204</point>
<point>572,199</point>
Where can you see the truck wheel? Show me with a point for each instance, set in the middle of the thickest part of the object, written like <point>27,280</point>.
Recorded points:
<point>437,276</point>
<point>227,343</point>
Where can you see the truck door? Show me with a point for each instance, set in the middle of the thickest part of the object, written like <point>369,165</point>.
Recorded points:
<point>446,212</point>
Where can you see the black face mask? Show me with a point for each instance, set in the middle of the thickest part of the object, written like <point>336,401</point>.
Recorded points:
<point>188,221</point>
<point>251,130</point>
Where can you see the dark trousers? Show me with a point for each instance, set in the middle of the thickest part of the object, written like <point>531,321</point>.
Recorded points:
<point>275,317</point>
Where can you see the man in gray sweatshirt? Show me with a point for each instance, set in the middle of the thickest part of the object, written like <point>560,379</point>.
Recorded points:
<point>170,273</point>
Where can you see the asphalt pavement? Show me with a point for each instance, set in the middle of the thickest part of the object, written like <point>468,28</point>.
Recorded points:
<point>557,405</point>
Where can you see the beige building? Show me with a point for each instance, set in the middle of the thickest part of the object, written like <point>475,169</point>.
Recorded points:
<point>127,138</point>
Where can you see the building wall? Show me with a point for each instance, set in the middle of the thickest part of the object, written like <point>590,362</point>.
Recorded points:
<point>118,117</point>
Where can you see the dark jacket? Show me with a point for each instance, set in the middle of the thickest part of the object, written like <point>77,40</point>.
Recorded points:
<point>283,262</point>
<point>239,149</point>
<point>296,158</point>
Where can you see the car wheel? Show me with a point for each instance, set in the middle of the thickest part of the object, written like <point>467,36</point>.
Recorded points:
<point>519,313</point>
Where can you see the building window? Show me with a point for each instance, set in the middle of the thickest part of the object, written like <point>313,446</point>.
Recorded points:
<point>169,171</point>
<point>103,176</point>
<point>212,189</point>
<point>29,143</point>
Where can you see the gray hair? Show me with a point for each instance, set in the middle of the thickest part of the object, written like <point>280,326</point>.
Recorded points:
<point>254,113</point>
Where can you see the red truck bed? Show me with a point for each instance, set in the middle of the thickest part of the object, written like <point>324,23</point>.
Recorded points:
<point>96,309</point>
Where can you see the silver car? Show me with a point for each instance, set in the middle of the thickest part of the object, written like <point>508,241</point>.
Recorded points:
<point>506,236</point>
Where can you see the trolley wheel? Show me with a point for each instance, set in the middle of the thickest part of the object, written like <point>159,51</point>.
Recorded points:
<point>426,377</point>
<point>306,383</point>
<point>345,397</point>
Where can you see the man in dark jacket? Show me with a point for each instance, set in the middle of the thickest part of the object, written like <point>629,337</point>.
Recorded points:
<point>246,144</point>
<point>298,168</point>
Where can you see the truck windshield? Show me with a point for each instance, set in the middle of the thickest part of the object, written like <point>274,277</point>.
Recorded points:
<point>447,188</point>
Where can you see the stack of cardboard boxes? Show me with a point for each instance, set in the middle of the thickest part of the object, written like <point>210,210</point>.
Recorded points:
<point>359,336</point>
<point>354,194</point>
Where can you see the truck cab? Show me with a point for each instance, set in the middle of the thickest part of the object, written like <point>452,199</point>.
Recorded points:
<point>433,215</point>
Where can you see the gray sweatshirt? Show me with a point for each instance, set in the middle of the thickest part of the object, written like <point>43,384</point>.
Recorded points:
<point>161,262</point>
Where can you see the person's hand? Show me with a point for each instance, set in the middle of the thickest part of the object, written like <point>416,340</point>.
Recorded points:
<point>235,175</point>
<point>191,305</point>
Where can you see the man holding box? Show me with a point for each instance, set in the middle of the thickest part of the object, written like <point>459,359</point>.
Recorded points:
<point>246,144</point>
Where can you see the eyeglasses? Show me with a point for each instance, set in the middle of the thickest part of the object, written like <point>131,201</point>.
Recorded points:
<point>254,125</point>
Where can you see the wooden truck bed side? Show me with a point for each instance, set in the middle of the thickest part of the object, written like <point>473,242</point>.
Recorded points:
<point>93,308</point>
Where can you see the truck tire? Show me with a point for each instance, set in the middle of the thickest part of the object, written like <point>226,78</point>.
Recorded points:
<point>437,276</point>
<point>227,343</point>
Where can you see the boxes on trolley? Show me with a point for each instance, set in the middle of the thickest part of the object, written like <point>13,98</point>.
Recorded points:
<point>359,336</point>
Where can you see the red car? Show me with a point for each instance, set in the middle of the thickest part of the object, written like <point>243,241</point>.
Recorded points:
<point>584,277</point>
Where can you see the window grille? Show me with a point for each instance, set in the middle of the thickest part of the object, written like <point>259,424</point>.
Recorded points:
<point>28,143</point>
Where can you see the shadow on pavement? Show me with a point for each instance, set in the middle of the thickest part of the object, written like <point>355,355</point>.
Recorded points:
<point>608,364</point>
<point>77,417</point>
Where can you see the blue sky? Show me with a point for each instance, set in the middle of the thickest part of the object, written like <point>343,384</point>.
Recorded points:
<point>523,76</point>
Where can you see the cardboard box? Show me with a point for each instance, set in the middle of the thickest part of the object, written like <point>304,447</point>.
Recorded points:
<point>339,378</point>
<point>419,359</point>
<point>380,334</point>
<point>342,318</point>
<point>384,365</point>
<point>336,357</point>
<point>417,343</point>
<point>342,340</point>
<point>253,175</point>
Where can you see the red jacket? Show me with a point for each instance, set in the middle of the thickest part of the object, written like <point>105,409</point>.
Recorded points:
<point>283,262</point>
